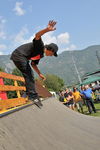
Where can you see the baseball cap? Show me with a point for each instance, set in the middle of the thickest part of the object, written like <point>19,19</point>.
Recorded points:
<point>52,47</point>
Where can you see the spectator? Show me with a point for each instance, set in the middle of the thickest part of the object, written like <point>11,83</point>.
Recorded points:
<point>89,101</point>
<point>96,89</point>
<point>77,99</point>
<point>69,97</point>
<point>61,96</point>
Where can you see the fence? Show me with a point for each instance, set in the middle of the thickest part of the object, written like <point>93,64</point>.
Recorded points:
<point>14,102</point>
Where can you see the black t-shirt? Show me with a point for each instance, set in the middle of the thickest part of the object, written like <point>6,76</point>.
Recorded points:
<point>66,95</point>
<point>31,51</point>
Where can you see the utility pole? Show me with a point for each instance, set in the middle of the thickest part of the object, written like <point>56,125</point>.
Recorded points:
<point>79,78</point>
<point>98,57</point>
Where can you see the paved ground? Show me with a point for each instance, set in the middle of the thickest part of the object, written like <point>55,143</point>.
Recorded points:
<point>54,127</point>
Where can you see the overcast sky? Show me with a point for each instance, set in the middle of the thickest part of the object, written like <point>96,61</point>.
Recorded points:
<point>78,23</point>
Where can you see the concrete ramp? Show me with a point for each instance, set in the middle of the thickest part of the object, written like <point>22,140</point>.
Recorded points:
<point>54,127</point>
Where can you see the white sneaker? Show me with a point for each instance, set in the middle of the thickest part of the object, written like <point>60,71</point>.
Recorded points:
<point>38,103</point>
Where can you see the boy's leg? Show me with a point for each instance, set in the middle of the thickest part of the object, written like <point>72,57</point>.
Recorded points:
<point>25,68</point>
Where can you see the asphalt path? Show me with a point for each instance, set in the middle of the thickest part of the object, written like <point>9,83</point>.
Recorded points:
<point>54,127</point>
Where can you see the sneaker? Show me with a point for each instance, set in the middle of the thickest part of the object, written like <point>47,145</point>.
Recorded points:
<point>38,103</point>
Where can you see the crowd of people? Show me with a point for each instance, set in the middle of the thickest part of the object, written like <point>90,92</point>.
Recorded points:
<point>75,98</point>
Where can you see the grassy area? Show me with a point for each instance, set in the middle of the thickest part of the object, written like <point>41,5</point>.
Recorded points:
<point>97,106</point>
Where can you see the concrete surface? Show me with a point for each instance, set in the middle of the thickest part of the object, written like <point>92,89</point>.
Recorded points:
<point>54,127</point>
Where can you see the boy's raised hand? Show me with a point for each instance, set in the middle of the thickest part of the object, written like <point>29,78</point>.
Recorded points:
<point>51,25</point>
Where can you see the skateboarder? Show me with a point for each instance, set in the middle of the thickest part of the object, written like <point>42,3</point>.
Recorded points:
<point>34,51</point>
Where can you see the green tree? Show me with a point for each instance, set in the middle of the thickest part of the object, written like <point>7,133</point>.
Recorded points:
<point>17,72</point>
<point>1,69</point>
<point>10,94</point>
<point>53,82</point>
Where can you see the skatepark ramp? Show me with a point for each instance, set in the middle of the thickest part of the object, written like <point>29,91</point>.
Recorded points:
<point>53,127</point>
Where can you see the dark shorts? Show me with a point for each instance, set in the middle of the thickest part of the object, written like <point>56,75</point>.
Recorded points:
<point>71,102</point>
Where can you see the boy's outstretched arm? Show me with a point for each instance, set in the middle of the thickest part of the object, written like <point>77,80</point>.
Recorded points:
<point>35,67</point>
<point>50,27</point>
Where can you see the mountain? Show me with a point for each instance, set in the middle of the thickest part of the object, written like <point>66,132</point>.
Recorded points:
<point>66,65</point>
<point>6,63</point>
